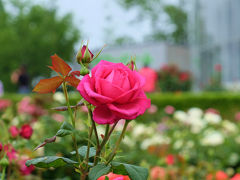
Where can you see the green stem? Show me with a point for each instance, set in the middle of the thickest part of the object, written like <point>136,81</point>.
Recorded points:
<point>73,121</point>
<point>90,115</point>
<point>3,173</point>
<point>105,139</point>
<point>112,155</point>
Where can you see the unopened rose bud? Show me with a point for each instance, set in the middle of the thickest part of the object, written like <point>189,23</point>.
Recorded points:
<point>84,55</point>
<point>4,162</point>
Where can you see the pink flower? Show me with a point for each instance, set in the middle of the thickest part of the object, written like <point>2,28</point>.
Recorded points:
<point>237,116</point>
<point>14,131</point>
<point>170,159</point>
<point>169,109</point>
<point>184,76</point>
<point>220,175</point>
<point>25,106</point>
<point>151,78</point>
<point>10,151</point>
<point>153,109</point>
<point>1,146</point>
<point>26,131</point>
<point>236,177</point>
<point>4,103</point>
<point>157,173</point>
<point>112,176</point>
<point>212,110</point>
<point>116,91</point>
<point>218,67</point>
<point>24,169</point>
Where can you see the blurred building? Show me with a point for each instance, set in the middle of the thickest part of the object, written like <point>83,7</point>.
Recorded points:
<point>214,30</point>
<point>157,53</point>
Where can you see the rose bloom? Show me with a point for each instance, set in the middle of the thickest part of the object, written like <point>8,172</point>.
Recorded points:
<point>157,173</point>
<point>24,169</point>
<point>169,109</point>
<point>236,177</point>
<point>184,76</point>
<point>14,131</point>
<point>116,91</point>
<point>4,103</point>
<point>26,131</point>
<point>1,146</point>
<point>237,116</point>
<point>218,67</point>
<point>112,176</point>
<point>170,159</point>
<point>151,78</point>
<point>220,175</point>
<point>10,151</point>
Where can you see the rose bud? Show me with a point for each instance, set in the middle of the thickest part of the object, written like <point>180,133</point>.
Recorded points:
<point>26,131</point>
<point>84,55</point>
<point>112,176</point>
<point>14,131</point>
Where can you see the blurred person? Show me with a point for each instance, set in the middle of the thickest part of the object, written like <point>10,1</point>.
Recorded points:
<point>151,78</point>
<point>21,78</point>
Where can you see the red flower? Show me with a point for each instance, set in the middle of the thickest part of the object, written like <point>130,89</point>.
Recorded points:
<point>220,175</point>
<point>14,131</point>
<point>112,176</point>
<point>150,76</point>
<point>24,169</point>
<point>26,131</point>
<point>4,103</point>
<point>218,67</point>
<point>170,159</point>
<point>184,76</point>
<point>212,110</point>
<point>1,146</point>
<point>10,151</point>
<point>236,177</point>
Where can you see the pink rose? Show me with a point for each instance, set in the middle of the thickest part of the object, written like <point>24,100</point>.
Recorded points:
<point>83,56</point>
<point>236,177</point>
<point>169,109</point>
<point>112,176</point>
<point>26,131</point>
<point>116,91</point>
<point>4,103</point>
<point>14,131</point>
<point>10,151</point>
<point>24,169</point>
<point>157,173</point>
<point>1,147</point>
<point>170,159</point>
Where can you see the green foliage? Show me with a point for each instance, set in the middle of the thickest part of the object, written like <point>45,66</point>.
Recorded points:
<point>30,35</point>
<point>65,129</point>
<point>98,171</point>
<point>134,172</point>
<point>82,151</point>
<point>50,161</point>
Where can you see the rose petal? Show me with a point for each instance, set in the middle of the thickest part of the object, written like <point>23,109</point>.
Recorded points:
<point>107,89</point>
<point>84,88</point>
<point>131,110</point>
<point>103,115</point>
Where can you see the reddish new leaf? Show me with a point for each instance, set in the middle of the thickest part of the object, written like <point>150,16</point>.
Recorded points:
<point>48,85</point>
<point>75,73</point>
<point>72,80</point>
<point>60,66</point>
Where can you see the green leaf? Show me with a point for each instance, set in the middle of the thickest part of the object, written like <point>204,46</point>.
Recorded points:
<point>50,161</point>
<point>65,129</point>
<point>134,172</point>
<point>82,151</point>
<point>98,171</point>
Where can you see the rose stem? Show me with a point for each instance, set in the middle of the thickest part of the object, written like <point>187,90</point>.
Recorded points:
<point>105,139</point>
<point>93,123</point>
<point>3,173</point>
<point>111,156</point>
<point>73,121</point>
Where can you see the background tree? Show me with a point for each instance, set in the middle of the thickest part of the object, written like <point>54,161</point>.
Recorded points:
<point>171,29</point>
<point>29,35</point>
